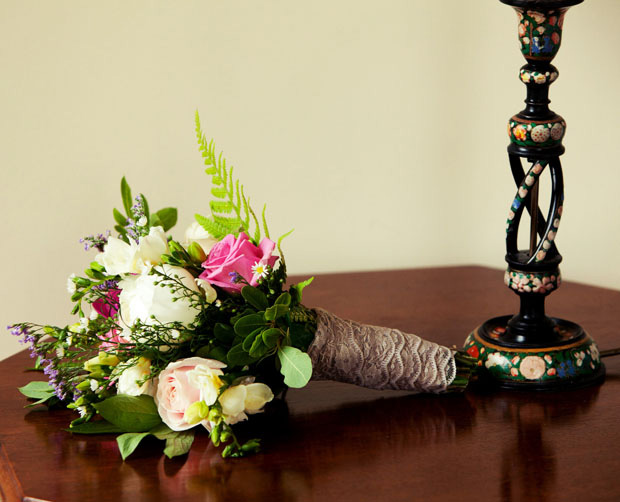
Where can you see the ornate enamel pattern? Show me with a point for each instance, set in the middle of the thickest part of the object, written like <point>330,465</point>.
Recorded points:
<point>536,133</point>
<point>532,282</point>
<point>529,76</point>
<point>553,365</point>
<point>540,33</point>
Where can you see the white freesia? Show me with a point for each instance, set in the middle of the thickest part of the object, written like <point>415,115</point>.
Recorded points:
<point>130,380</point>
<point>207,380</point>
<point>70,284</point>
<point>119,257</point>
<point>241,399</point>
<point>210,293</point>
<point>141,298</point>
<point>195,233</point>
<point>150,249</point>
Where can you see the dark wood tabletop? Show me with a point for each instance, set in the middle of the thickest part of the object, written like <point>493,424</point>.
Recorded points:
<point>333,441</point>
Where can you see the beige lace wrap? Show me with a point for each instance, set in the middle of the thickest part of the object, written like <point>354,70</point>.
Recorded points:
<point>378,358</point>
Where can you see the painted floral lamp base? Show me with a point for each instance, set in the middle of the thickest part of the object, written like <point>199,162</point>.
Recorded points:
<point>531,350</point>
<point>573,362</point>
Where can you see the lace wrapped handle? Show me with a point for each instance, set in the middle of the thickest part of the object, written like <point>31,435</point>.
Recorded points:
<point>384,358</point>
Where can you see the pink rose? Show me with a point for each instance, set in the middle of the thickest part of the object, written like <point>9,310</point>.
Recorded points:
<point>112,339</point>
<point>183,383</point>
<point>231,256</point>
<point>107,307</point>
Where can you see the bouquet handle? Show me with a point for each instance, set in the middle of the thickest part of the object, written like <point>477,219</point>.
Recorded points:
<point>384,358</point>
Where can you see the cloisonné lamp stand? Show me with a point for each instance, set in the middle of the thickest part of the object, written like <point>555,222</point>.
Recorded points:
<point>531,350</point>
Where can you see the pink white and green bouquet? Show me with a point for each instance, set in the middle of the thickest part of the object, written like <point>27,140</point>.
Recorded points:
<point>205,332</point>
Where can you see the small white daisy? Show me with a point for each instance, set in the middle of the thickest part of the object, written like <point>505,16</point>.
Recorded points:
<point>260,269</point>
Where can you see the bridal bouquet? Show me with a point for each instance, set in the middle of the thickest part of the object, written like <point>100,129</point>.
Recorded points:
<point>205,332</point>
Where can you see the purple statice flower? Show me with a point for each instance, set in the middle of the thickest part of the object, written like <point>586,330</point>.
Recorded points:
<point>23,332</point>
<point>132,230</point>
<point>137,220</point>
<point>95,241</point>
<point>54,378</point>
<point>234,277</point>
<point>16,329</point>
<point>105,286</point>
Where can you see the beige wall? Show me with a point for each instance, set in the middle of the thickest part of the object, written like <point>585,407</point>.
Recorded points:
<point>375,128</point>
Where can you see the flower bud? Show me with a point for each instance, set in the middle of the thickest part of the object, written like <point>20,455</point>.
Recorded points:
<point>214,415</point>
<point>196,412</point>
<point>196,252</point>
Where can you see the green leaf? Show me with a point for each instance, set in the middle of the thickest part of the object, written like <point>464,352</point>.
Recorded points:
<point>155,221</point>
<point>41,401</point>
<point>128,442</point>
<point>145,208</point>
<point>271,336</point>
<point>224,332</point>
<point>255,297</point>
<point>126,196</point>
<point>258,348</point>
<point>96,427</point>
<point>130,413</point>
<point>179,443</point>
<point>37,390</point>
<point>249,340</point>
<point>167,217</point>
<point>119,218</point>
<point>276,311</point>
<point>238,357</point>
<point>296,366</point>
<point>297,289</point>
<point>249,323</point>
<point>218,353</point>
<point>283,299</point>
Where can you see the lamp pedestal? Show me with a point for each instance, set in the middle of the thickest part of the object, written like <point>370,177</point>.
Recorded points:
<point>530,350</point>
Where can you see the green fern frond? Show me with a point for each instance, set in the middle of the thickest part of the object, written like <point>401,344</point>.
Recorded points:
<point>221,207</point>
<point>231,211</point>
<point>215,229</point>
<point>231,222</point>
<point>257,230</point>
<point>280,241</point>
<point>265,227</point>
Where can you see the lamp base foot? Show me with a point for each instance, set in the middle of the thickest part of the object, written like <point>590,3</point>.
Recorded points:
<point>571,362</point>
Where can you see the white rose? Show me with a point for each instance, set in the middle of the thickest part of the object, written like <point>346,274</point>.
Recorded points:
<point>241,399</point>
<point>119,257</point>
<point>130,379</point>
<point>195,233</point>
<point>141,298</point>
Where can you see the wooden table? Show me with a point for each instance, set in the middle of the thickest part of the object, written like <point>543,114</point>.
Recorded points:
<point>340,442</point>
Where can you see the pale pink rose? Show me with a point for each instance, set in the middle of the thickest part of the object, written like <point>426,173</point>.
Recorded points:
<point>112,339</point>
<point>176,390</point>
<point>231,257</point>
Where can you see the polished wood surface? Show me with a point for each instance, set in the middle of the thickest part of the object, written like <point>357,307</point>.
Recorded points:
<point>338,442</point>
